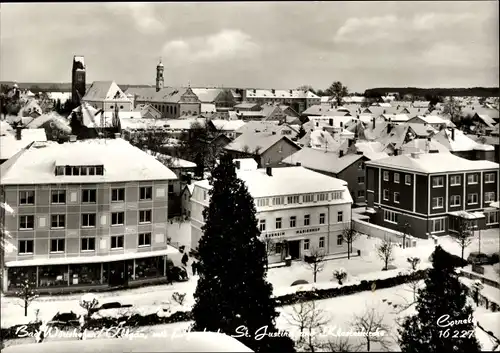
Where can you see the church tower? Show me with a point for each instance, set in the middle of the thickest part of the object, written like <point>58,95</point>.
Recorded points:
<point>78,86</point>
<point>159,76</point>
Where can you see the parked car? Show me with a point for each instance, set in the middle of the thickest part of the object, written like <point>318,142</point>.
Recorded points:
<point>478,258</point>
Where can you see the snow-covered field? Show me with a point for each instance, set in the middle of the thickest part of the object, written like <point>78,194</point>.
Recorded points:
<point>368,266</point>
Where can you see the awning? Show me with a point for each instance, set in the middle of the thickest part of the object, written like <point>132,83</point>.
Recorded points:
<point>467,215</point>
<point>74,260</point>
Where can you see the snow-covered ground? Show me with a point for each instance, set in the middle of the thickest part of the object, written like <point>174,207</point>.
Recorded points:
<point>150,299</point>
<point>180,232</point>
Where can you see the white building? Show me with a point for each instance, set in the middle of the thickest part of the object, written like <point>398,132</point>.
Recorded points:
<point>106,95</point>
<point>298,208</point>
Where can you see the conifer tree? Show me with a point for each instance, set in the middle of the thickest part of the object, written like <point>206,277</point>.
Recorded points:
<point>441,301</point>
<point>233,295</point>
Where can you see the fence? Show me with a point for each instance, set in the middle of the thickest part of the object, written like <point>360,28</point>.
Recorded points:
<point>382,233</point>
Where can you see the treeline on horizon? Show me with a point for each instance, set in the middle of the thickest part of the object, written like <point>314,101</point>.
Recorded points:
<point>443,92</point>
<point>372,92</point>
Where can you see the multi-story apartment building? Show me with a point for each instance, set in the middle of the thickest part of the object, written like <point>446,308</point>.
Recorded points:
<point>86,214</point>
<point>430,191</point>
<point>297,208</point>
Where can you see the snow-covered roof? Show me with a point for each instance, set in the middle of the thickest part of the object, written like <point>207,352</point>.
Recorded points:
<point>246,164</point>
<point>486,119</point>
<point>287,181</point>
<point>433,163</point>
<point>164,95</point>
<point>57,120</point>
<point>175,161</point>
<point>322,160</point>
<point>104,90</point>
<point>5,127</point>
<point>460,142</point>
<point>268,93</point>
<point>122,162</point>
<point>63,96</point>
<point>397,118</point>
<point>420,104</point>
<point>9,145</point>
<point>423,145</point>
<point>228,125</point>
<point>323,109</point>
<point>207,95</point>
<point>250,142</point>
<point>436,119</point>
<point>208,108</point>
<point>175,342</point>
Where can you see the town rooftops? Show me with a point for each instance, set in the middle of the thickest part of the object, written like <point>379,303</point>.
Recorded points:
<point>104,90</point>
<point>172,162</point>
<point>207,95</point>
<point>287,181</point>
<point>457,141</point>
<point>165,95</point>
<point>122,162</point>
<point>10,145</point>
<point>271,93</point>
<point>321,160</point>
<point>431,163</point>
<point>228,125</point>
<point>251,142</point>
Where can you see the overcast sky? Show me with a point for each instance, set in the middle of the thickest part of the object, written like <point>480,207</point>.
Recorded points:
<point>265,45</point>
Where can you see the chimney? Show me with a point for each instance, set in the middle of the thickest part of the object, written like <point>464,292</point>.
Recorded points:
<point>415,155</point>
<point>453,134</point>
<point>19,134</point>
<point>373,120</point>
<point>269,171</point>
<point>330,121</point>
<point>341,124</point>
<point>298,164</point>
<point>396,152</point>
<point>274,132</point>
<point>317,124</point>
<point>273,91</point>
<point>291,91</point>
<point>341,153</point>
<point>72,138</point>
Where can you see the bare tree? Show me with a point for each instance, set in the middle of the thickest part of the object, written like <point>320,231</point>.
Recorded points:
<point>338,91</point>
<point>89,303</point>
<point>316,261</point>
<point>385,252</point>
<point>349,235</point>
<point>341,344</point>
<point>340,275</point>
<point>405,230</point>
<point>371,323</point>
<point>464,233</point>
<point>270,249</point>
<point>309,320</point>
<point>27,294</point>
<point>453,110</point>
<point>413,261</point>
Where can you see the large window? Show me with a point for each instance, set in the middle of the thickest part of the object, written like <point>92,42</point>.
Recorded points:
<point>118,195</point>
<point>145,193</point>
<point>321,218</point>
<point>262,225</point>
<point>491,217</point>
<point>322,242</point>
<point>386,176</point>
<point>437,182</point>
<point>59,196</point>
<point>144,239</point>
<point>396,197</point>
<point>489,196</point>
<point>88,244</point>
<point>57,245</point>
<point>58,221</point>
<point>262,202</point>
<point>89,195</point>
<point>361,180</point>
<point>455,200</point>
<point>322,197</point>
<point>117,242</point>
<point>308,198</point>
<point>293,199</point>
<point>307,219</point>
<point>306,244</point>
<point>340,240</point>
<point>386,195</point>
<point>408,179</point>
<point>88,220</point>
<point>455,180</point>
<point>437,202</point>
<point>118,218</point>
<point>340,216</point>
<point>26,222</point>
<point>144,216</point>
<point>27,197</point>
<point>438,225</point>
<point>293,221</point>
<point>472,179</point>
<point>472,199</point>
<point>390,216</point>
<point>396,178</point>
<point>278,223</point>
<point>25,247</point>
<point>277,201</point>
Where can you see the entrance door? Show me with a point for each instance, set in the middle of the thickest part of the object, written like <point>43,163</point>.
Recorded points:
<point>118,274</point>
<point>294,249</point>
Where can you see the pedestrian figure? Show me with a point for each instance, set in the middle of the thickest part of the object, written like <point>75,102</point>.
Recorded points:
<point>194,267</point>
<point>82,327</point>
<point>185,259</point>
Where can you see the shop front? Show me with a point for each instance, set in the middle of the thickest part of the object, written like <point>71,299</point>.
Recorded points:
<point>84,276</point>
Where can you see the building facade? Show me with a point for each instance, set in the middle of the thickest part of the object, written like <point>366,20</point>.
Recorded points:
<point>429,191</point>
<point>78,77</point>
<point>310,212</point>
<point>298,100</point>
<point>107,96</point>
<point>80,222</point>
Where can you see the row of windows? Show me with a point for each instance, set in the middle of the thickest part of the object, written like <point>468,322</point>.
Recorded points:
<point>86,244</point>
<point>58,221</point>
<point>386,196</point>
<point>88,195</point>
<point>321,245</point>
<point>169,109</point>
<point>437,202</point>
<point>80,170</point>
<point>396,178</point>
<point>295,199</point>
<point>293,221</point>
<point>439,180</point>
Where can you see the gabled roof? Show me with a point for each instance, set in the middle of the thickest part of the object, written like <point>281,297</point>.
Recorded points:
<point>245,105</point>
<point>421,130</point>
<point>31,105</point>
<point>148,111</point>
<point>320,160</point>
<point>228,125</point>
<point>433,163</point>
<point>262,126</point>
<point>104,90</point>
<point>323,109</point>
<point>461,142</point>
<point>59,121</point>
<point>486,119</point>
<point>165,95</point>
<point>250,142</point>
<point>420,104</point>
<point>397,118</point>
<point>371,149</point>
<point>207,95</point>
<point>431,119</point>
<point>423,145</point>
<point>172,162</point>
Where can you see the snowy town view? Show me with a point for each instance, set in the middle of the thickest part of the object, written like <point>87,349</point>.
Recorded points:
<point>249,177</point>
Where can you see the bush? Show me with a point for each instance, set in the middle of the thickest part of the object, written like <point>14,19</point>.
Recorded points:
<point>494,258</point>
<point>112,305</point>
